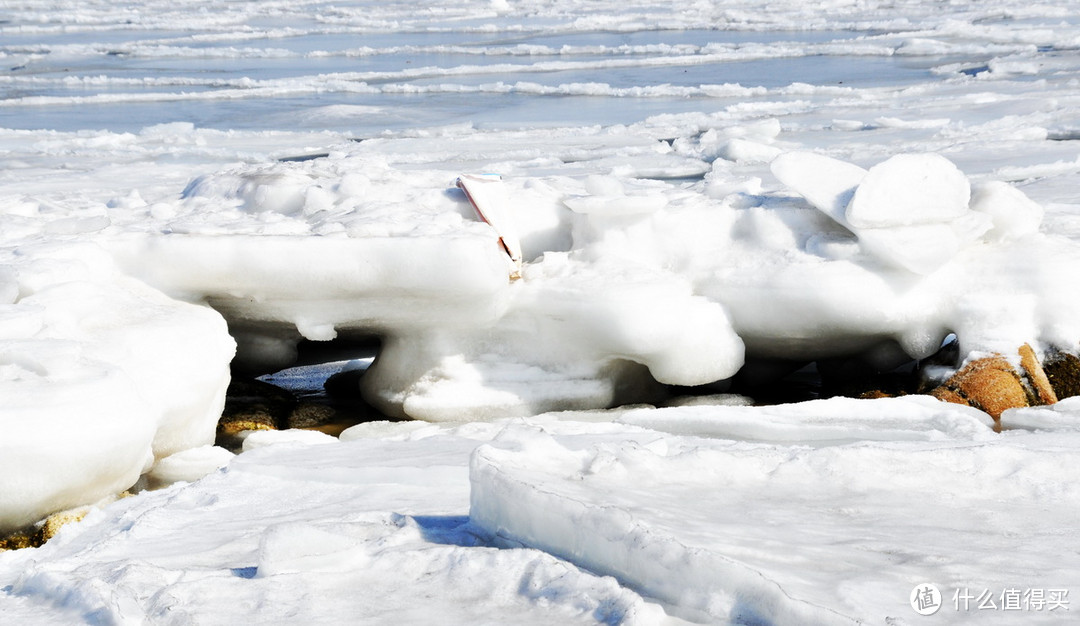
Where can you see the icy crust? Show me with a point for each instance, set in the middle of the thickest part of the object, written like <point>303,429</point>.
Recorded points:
<point>100,375</point>
<point>724,531</point>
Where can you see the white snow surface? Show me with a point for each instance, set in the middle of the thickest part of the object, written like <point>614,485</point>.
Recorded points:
<point>691,187</point>
<point>768,533</point>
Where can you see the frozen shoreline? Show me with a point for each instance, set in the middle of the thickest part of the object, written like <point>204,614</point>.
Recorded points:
<point>690,187</point>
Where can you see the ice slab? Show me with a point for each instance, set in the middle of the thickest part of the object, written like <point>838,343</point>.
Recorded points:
<point>819,422</point>
<point>100,375</point>
<point>909,189</point>
<point>825,182</point>
<point>375,529</point>
<point>730,532</point>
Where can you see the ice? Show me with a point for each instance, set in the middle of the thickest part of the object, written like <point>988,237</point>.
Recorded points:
<point>909,189</point>
<point>728,190</point>
<point>910,211</point>
<point>826,183</point>
<point>632,282</point>
<point>1061,416</point>
<point>1013,214</point>
<point>726,532</point>
<point>381,533</point>
<point>189,465</point>
<point>821,421</point>
<point>102,375</point>
<point>621,272</point>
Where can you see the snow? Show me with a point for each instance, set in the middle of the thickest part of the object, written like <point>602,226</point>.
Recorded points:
<point>88,408</point>
<point>692,193</point>
<point>784,534</point>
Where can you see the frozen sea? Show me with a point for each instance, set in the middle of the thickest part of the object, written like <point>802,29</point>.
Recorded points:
<point>694,185</point>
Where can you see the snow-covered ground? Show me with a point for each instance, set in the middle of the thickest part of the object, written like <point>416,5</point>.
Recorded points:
<point>692,186</point>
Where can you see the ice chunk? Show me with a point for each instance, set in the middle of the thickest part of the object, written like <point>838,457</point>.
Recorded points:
<point>909,189</point>
<point>746,151</point>
<point>190,465</point>
<point>912,418</point>
<point>1013,214</point>
<point>1063,416</point>
<point>100,376</point>
<point>921,249</point>
<point>261,438</point>
<point>72,434</point>
<point>909,212</point>
<point>826,183</point>
<point>549,513</point>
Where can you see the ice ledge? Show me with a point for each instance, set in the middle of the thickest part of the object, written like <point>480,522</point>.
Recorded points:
<point>724,531</point>
<point>522,505</point>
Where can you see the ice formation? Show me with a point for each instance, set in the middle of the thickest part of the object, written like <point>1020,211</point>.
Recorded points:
<point>628,282</point>
<point>694,193</point>
<point>625,280</point>
<point>100,375</point>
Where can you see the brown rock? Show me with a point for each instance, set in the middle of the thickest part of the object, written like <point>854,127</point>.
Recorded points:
<point>18,541</point>
<point>989,384</point>
<point>945,394</point>
<point>232,425</point>
<point>992,385</point>
<point>56,521</point>
<point>43,531</point>
<point>311,415</point>
<point>875,394</point>
<point>1063,372</point>
<point>1036,376</point>
<point>253,405</point>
